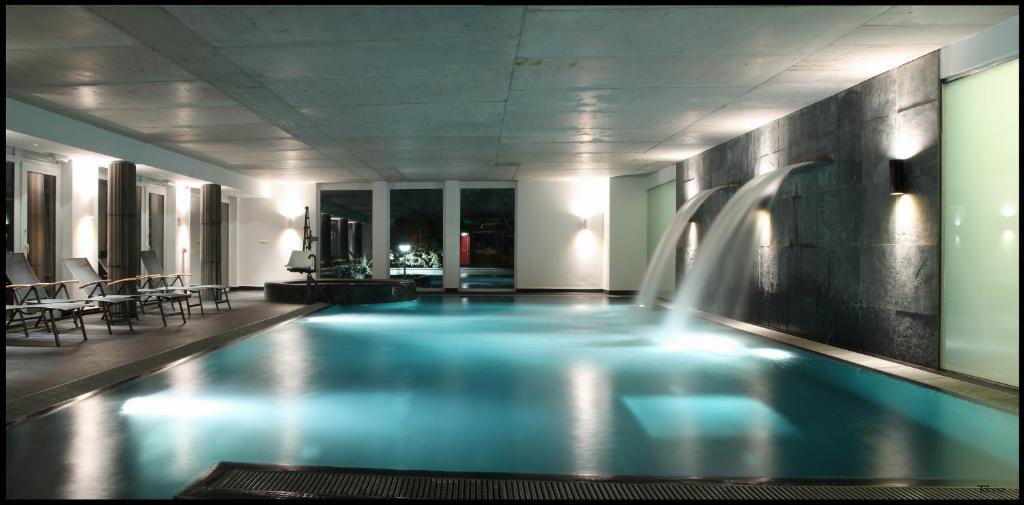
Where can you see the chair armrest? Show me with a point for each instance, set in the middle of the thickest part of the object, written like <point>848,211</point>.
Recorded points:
<point>119,281</point>
<point>73,281</point>
<point>23,286</point>
<point>93,283</point>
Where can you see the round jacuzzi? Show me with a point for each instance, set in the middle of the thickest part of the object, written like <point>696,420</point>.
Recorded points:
<point>341,291</point>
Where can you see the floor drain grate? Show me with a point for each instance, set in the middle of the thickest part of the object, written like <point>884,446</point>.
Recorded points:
<point>243,480</point>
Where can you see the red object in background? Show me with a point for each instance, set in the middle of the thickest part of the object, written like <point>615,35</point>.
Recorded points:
<point>464,250</point>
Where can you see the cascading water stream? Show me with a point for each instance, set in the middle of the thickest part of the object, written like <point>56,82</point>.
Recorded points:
<point>666,248</point>
<point>726,256</point>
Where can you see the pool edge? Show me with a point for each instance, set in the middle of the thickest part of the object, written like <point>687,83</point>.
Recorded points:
<point>43,402</point>
<point>988,396</point>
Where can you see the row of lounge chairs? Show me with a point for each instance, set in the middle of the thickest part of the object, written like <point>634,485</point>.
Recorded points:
<point>116,300</point>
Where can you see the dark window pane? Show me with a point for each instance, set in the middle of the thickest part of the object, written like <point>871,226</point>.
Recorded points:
<point>487,238</point>
<point>9,218</point>
<point>156,226</point>
<point>42,225</point>
<point>101,222</point>
<point>417,246</point>
<point>346,228</point>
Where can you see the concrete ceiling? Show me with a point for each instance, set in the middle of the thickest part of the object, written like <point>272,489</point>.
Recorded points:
<point>359,93</point>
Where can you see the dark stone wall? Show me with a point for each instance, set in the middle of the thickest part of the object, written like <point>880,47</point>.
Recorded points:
<point>847,263</point>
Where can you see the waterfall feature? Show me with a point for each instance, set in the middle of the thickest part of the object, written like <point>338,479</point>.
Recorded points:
<point>667,247</point>
<point>726,257</point>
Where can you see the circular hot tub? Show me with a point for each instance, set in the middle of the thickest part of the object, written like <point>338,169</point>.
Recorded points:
<point>342,291</point>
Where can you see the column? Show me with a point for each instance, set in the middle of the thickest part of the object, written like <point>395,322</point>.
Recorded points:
<point>381,241</point>
<point>450,235</point>
<point>124,237</point>
<point>209,245</point>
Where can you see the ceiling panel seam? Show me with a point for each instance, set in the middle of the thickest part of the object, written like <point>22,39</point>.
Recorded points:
<point>508,92</point>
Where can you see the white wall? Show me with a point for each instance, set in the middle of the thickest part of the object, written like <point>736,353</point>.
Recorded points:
<point>180,232</point>
<point>553,249</point>
<point>627,232</point>
<point>269,229</point>
<point>84,184</point>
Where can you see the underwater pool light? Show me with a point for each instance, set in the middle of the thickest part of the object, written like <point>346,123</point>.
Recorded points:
<point>772,354</point>
<point>172,406</point>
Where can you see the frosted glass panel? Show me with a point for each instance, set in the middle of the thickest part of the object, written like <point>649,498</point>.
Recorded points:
<point>661,209</point>
<point>981,225</point>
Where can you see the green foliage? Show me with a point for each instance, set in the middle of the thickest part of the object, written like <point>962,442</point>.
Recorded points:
<point>417,258</point>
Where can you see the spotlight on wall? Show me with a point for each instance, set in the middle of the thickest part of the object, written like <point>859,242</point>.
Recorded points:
<point>897,177</point>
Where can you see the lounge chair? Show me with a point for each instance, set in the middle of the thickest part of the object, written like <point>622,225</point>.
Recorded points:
<point>95,289</point>
<point>77,310</point>
<point>104,289</point>
<point>27,290</point>
<point>26,286</point>
<point>158,280</point>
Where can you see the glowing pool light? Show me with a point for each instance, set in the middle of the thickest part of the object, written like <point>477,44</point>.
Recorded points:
<point>772,354</point>
<point>703,343</point>
<point>172,406</point>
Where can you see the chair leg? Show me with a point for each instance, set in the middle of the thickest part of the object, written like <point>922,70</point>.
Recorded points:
<point>202,310</point>
<point>128,307</point>
<point>160,303</point>
<point>16,313</point>
<point>181,310</point>
<point>24,324</point>
<point>53,326</point>
<point>80,318</point>
<point>106,317</point>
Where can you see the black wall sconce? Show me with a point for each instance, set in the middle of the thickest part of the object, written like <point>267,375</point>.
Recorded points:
<point>897,177</point>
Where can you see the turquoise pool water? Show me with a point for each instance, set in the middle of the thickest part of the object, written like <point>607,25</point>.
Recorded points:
<point>544,384</point>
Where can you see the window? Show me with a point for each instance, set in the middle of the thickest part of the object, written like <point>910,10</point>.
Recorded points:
<point>345,240</point>
<point>417,246</point>
<point>487,238</point>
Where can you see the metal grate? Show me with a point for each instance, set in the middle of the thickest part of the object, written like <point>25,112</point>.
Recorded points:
<point>241,480</point>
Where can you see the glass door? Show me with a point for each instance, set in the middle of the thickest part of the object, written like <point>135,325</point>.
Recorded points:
<point>487,238</point>
<point>417,246</point>
<point>156,219</point>
<point>9,216</point>
<point>40,225</point>
<point>101,226</point>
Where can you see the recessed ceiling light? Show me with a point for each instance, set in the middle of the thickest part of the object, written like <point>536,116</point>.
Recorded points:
<point>35,145</point>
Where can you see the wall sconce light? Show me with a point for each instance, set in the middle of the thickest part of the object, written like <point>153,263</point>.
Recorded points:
<point>897,177</point>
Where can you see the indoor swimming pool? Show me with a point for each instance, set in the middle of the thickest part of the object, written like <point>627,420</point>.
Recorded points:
<point>517,384</point>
